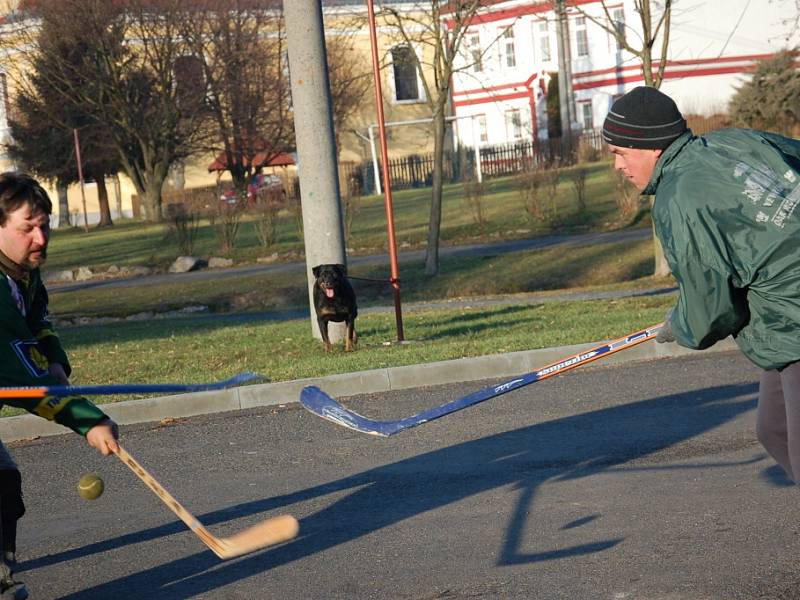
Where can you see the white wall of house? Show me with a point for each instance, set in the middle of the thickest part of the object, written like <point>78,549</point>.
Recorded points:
<point>510,50</point>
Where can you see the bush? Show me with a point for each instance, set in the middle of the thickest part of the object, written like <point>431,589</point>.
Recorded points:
<point>626,196</point>
<point>183,210</point>
<point>182,224</point>
<point>473,197</point>
<point>226,218</point>
<point>529,183</point>
<point>587,152</point>
<point>578,176</point>
<point>771,99</point>
<point>268,204</point>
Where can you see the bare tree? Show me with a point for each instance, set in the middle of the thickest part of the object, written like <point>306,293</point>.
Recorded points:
<point>437,28</point>
<point>350,76</point>
<point>121,70</point>
<point>238,49</point>
<point>791,20</point>
<point>43,128</point>
<point>655,20</point>
<point>41,148</point>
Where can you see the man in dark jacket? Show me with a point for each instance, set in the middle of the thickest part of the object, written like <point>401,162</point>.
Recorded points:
<point>726,215</point>
<point>30,351</point>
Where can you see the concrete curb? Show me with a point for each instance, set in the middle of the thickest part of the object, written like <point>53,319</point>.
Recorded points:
<point>346,384</point>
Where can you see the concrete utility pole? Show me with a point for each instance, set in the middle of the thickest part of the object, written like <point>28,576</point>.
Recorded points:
<point>316,146</point>
<point>564,74</point>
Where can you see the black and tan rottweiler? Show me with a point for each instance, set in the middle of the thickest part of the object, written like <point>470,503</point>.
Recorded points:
<point>335,300</point>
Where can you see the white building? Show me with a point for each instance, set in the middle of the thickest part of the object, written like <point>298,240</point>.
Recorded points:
<point>511,48</point>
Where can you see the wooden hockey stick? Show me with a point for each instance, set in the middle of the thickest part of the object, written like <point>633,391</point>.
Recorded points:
<point>268,532</point>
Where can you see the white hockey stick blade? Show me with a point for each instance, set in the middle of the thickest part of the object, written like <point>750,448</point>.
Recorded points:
<point>321,404</point>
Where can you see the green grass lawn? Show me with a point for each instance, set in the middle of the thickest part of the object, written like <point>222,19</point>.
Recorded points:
<point>131,243</point>
<point>192,349</point>
<point>512,273</point>
<point>212,347</point>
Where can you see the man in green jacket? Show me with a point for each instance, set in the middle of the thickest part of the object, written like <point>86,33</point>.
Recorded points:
<point>30,351</point>
<point>726,215</point>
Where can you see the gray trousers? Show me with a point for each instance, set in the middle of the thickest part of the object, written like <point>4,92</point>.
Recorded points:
<point>778,417</point>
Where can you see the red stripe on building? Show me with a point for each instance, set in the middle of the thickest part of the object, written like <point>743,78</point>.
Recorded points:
<point>489,99</point>
<point>505,86</point>
<point>514,13</point>
<point>698,61</point>
<point>489,90</point>
<point>672,74</point>
<point>674,71</point>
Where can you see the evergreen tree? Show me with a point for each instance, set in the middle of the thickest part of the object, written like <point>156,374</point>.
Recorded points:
<point>771,98</point>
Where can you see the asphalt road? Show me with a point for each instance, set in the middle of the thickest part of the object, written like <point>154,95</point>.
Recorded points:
<point>643,481</point>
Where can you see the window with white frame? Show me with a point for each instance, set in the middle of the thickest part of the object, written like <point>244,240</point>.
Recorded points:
<point>473,54</point>
<point>513,125</point>
<point>618,15</point>
<point>404,70</point>
<point>508,55</point>
<point>483,131</point>
<point>543,32</point>
<point>587,116</point>
<point>581,36</point>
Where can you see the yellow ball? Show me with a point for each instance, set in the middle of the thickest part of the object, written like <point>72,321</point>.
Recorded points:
<point>90,487</point>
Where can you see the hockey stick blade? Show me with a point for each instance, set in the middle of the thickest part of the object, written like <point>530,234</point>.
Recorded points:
<point>321,404</point>
<point>125,388</point>
<point>267,533</point>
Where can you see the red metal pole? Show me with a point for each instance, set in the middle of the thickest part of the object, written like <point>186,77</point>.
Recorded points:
<point>387,179</point>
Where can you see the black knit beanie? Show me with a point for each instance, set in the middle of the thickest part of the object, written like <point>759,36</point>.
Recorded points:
<point>643,118</point>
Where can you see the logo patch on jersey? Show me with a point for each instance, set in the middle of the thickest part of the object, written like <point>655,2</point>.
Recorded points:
<point>30,356</point>
<point>50,406</point>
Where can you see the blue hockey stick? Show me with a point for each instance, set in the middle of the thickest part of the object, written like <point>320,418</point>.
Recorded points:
<point>321,404</point>
<point>124,388</point>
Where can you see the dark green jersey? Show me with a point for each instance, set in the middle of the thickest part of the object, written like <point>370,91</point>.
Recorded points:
<point>726,213</point>
<point>28,344</point>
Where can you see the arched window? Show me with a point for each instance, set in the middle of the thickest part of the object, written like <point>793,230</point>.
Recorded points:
<point>404,69</point>
<point>190,81</point>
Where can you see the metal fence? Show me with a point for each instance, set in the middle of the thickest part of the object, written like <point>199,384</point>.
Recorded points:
<point>416,170</point>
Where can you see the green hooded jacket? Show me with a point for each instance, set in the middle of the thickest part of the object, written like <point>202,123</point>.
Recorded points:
<point>726,214</point>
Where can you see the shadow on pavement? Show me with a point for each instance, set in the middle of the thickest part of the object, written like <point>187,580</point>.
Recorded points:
<point>560,450</point>
<point>776,476</point>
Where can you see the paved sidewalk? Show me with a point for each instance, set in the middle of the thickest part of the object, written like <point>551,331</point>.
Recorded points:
<point>479,368</point>
<point>549,241</point>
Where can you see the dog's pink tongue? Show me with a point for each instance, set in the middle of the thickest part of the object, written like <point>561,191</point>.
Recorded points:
<point>329,292</point>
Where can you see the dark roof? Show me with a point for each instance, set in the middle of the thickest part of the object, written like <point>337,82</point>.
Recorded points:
<point>281,159</point>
